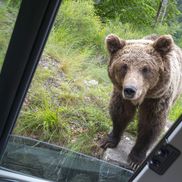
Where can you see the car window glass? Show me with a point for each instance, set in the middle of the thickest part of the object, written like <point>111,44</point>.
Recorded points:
<point>90,75</point>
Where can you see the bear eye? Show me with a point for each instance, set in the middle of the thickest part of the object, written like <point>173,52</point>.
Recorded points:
<point>124,68</point>
<point>145,69</point>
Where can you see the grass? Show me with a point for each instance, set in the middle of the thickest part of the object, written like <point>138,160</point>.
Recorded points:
<point>62,106</point>
<point>7,20</point>
<point>176,110</point>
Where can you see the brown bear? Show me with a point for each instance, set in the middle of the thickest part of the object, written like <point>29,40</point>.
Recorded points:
<point>146,75</point>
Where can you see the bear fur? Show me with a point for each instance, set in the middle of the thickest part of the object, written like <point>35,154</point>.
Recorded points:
<point>146,76</point>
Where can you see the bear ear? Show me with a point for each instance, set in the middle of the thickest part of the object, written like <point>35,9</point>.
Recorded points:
<point>114,43</point>
<point>163,44</point>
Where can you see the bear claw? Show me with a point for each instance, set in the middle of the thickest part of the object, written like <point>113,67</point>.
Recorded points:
<point>109,142</point>
<point>134,161</point>
<point>134,165</point>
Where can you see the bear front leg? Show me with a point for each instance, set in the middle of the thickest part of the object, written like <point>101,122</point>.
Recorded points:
<point>152,117</point>
<point>121,112</point>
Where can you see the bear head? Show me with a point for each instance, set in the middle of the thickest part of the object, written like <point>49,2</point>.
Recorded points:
<point>137,67</point>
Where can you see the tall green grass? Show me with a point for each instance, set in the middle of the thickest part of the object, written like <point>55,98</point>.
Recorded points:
<point>7,21</point>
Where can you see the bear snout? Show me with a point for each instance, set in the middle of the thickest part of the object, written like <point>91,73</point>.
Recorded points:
<point>129,92</point>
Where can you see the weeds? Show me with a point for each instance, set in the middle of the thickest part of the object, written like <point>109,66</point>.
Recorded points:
<point>7,20</point>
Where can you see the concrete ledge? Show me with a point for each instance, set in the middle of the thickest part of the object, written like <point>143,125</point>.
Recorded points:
<point>119,154</point>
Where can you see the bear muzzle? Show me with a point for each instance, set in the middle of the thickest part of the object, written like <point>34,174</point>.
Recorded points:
<point>129,92</point>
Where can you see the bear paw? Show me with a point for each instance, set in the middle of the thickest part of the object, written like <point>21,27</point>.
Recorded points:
<point>133,165</point>
<point>134,160</point>
<point>109,142</point>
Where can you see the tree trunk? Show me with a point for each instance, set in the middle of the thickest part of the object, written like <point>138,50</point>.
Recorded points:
<point>161,12</point>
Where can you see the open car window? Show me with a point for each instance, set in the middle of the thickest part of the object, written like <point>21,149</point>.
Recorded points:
<point>64,91</point>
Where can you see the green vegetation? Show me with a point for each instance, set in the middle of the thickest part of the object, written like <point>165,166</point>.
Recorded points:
<point>67,103</point>
<point>138,13</point>
<point>7,20</point>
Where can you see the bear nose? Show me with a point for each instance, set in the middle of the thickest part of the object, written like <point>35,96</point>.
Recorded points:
<point>129,91</point>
